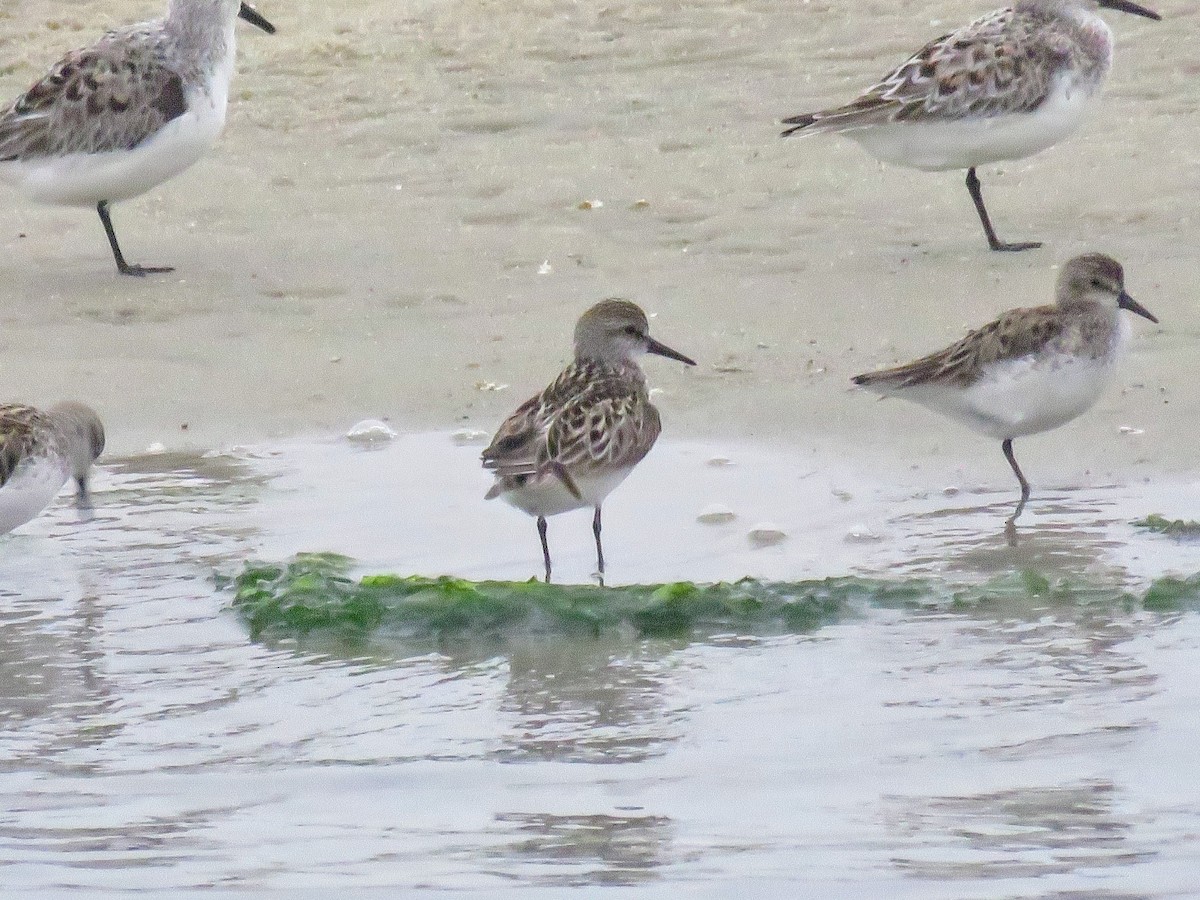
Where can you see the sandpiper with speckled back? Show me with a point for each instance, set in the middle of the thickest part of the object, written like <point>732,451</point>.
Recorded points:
<point>571,445</point>
<point>113,120</point>
<point>39,451</point>
<point>1004,87</point>
<point>1030,370</point>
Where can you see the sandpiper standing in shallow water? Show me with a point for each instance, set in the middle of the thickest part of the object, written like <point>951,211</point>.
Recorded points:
<point>569,446</point>
<point>113,120</point>
<point>1030,370</point>
<point>39,451</point>
<point>1008,85</point>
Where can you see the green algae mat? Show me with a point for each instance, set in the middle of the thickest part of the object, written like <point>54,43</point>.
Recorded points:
<point>316,592</point>
<point>1180,528</point>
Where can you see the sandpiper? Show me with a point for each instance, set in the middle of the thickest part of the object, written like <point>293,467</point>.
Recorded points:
<point>113,120</point>
<point>569,446</point>
<point>1006,86</point>
<point>39,451</point>
<point>1030,370</point>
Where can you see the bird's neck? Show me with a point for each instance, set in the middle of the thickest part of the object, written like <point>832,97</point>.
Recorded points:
<point>622,366</point>
<point>1098,325</point>
<point>203,32</point>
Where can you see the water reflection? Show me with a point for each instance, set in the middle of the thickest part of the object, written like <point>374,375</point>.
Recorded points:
<point>1068,530</point>
<point>599,701</point>
<point>579,850</point>
<point>1052,692</point>
<point>142,733</point>
<point>1030,832</point>
<point>155,519</point>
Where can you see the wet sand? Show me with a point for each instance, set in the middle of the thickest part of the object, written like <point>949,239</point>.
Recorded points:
<point>392,220</point>
<point>411,506</point>
<point>391,225</point>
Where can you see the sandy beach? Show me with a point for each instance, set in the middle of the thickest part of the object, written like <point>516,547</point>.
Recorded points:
<point>396,224</point>
<point>411,205</point>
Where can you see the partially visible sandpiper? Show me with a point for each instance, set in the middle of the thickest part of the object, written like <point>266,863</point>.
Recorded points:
<point>572,444</point>
<point>1006,86</point>
<point>39,451</point>
<point>1030,370</point>
<point>113,120</point>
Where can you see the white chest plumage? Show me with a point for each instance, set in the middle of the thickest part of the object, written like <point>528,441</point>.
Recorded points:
<point>1028,395</point>
<point>936,146</point>
<point>548,496</point>
<point>30,489</point>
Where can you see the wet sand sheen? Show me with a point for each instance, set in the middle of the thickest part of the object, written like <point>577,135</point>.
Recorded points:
<point>392,227</point>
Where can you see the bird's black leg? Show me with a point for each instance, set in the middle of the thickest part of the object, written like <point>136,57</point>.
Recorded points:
<point>1011,522</point>
<point>123,267</point>
<point>541,522</point>
<point>599,547</point>
<point>993,242</point>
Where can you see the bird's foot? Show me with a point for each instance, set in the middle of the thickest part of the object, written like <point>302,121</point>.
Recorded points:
<point>142,271</point>
<point>1015,246</point>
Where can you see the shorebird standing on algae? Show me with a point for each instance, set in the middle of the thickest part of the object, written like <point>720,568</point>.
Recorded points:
<point>572,444</point>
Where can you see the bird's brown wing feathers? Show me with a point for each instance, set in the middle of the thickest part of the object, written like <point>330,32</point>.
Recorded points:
<point>589,416</point>
<point>1017,333</point>
<point>97,99</point>
<point>16,436</point>
<point>997,64</point>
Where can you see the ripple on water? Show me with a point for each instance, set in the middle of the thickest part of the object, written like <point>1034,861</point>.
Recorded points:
<point>148,744</point>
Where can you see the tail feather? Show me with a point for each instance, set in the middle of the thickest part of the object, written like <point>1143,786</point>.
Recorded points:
<point>879,382</point>
<point>886,380</point>
<point>867,110</point>
<point>798,123</point>
<point>869,378</point>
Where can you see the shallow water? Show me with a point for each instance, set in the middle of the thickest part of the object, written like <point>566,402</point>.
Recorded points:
<point>395,225</point>
<point>1028,750</point>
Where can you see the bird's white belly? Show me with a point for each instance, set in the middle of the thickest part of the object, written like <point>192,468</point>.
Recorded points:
<point>30,489</point>
<point>547,496</point>
<point>1021,397</point>
<point>960,144</point>
<point>84,179</point>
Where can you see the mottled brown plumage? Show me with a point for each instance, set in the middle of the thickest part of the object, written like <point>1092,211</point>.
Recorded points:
<point>39,451</point>
<point>1006,86</point>
<point>20,427</point>
<point>570,445</point>
<point>1076,325</point>
<point>110,96</point>
<point>1002,62</point>
<point>592,415</point>
<point>114,119</point>
<point>1017,333</point>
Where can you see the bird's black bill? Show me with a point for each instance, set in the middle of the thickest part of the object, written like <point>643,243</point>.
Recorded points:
<point>653,346</point>
<point>1129,6</point>
<point>1126,302</point>
<point>250,14</point>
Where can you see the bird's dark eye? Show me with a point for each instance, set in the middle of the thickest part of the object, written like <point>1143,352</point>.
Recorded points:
<point>1099,285</point>
<point>632,331</point>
